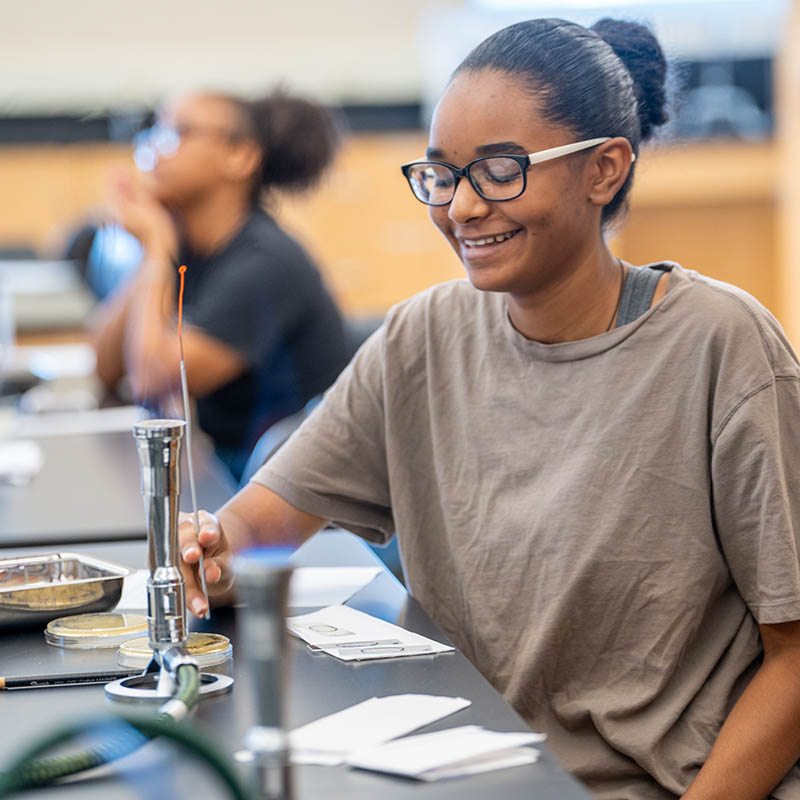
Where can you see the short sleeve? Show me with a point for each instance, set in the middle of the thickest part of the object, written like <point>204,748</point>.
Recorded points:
<point>756,486</point>
<point>247,303</point>
<point>334,466</point>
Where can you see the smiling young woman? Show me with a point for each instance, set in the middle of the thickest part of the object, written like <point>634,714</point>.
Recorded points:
<point>592,468</point>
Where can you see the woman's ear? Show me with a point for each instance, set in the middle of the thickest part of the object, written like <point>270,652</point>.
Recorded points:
<point>610,165</point>
<point>243,161</point>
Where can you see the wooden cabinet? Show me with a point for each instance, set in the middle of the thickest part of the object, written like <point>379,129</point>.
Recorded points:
<point>711,206</point>
<point>715,207</point>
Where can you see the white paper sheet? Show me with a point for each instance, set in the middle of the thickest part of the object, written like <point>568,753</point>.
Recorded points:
<point>78,423</point>
<point>19,461</point>
<point>55,361</point>
<point>330,739</point>
<point>352,635</point>
<point>451,753</point>
<point>325,586</point>
<point>309,586</point>
<point>35,276</point>
<point>134,591</point>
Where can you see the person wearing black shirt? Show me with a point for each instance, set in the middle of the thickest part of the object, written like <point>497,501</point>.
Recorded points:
<point>262,335</point>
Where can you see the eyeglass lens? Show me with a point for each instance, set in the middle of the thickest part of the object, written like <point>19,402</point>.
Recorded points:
<point>495,178</point>
<point>160,140</point>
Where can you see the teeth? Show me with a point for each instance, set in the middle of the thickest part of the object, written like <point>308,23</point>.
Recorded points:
<point>489,239</point>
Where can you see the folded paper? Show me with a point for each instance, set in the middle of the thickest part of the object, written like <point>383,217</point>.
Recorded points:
<point>331,739</point>
<point>451,753</point>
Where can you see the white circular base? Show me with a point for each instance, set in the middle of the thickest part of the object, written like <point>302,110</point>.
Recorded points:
<point>143,688</point>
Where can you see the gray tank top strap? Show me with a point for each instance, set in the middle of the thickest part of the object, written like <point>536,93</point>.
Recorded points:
<point>637,293</point>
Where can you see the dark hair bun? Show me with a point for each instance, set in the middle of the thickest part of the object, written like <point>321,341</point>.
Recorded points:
<point>300,139</point>
<point>641,53</point>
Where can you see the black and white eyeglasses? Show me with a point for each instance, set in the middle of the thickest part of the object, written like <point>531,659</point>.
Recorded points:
<point>495,178</point>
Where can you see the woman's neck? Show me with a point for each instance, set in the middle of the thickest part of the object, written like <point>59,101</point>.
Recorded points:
<point>579,303</point>
<point>212,221</point>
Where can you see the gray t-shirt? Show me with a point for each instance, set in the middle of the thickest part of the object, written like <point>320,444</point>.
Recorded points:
<point>599,525</point>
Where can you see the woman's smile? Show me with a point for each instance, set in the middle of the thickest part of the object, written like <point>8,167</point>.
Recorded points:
<point>480,246</point>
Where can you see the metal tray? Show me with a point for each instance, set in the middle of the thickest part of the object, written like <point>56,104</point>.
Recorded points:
<point>36,589</point>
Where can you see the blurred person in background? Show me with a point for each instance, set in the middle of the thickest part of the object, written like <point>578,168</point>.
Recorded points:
<point>262,335</point>
<point>593,468</point>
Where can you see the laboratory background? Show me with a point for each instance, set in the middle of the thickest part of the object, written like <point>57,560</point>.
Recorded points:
<point>81,84</point>
<point>717,191</point>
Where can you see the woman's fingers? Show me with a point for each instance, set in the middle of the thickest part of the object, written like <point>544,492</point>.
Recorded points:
<point>195,599</point>
<point>191,544</point>
<point>213,571</point>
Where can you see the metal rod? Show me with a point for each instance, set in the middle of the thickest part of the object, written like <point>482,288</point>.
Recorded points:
<point>201,566</point>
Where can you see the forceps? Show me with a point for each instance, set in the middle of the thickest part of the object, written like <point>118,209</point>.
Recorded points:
<point>330,630</point>
<point>351,645</point>
<point>389,649</point>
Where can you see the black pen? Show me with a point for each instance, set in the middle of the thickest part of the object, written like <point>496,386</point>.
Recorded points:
<point>71,679</point>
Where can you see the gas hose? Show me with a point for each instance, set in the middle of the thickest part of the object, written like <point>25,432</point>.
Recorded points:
<point>30,771</point>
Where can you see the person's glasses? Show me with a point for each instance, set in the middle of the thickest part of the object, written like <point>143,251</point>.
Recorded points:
<point>163,141</point>
<point>152,143</point>
<point>495,178</point>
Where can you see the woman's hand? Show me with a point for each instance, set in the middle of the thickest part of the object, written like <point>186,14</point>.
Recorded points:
<point>135,208</point>
<point>217,554</point>
<point>254,516</point>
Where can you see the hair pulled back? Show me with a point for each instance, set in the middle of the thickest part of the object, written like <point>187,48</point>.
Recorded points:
<point>607,80</point>
<point>298,139</point>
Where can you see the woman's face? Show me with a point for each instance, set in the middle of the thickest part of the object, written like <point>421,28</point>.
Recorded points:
<point>551,225</point>
<point>205,129</point>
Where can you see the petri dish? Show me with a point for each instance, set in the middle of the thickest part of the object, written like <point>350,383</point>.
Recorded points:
<point>209,649</point>
<point>93,631</point>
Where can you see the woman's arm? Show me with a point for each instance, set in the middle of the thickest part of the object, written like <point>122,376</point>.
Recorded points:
<point>136,331</point>
<point>760,740</point>
<point>151,345</point>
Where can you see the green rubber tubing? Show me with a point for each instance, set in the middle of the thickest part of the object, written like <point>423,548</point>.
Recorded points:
<point>30,771</point>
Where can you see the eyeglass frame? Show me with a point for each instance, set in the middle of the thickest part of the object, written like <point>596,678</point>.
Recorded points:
<point>524,162</point>
<point>151,140</point>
